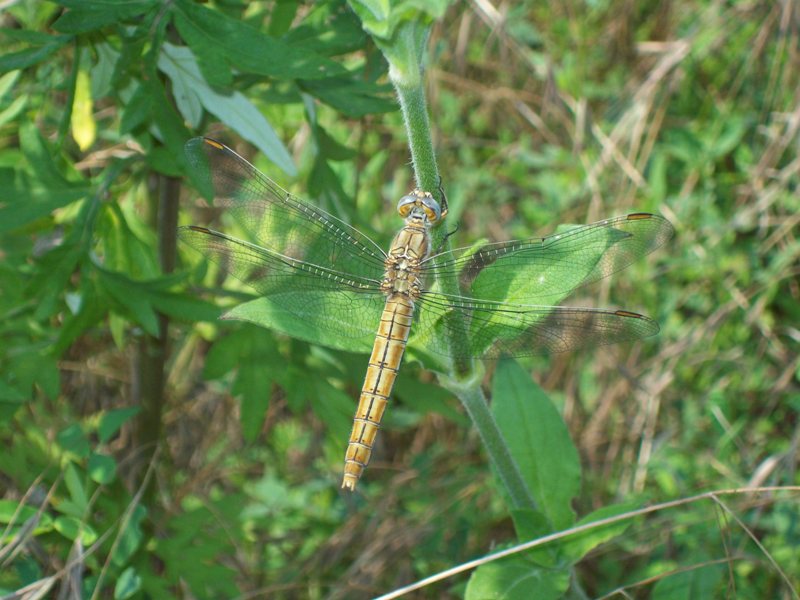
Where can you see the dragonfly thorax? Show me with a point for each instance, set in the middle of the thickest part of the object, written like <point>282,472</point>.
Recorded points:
<point>419,206</point>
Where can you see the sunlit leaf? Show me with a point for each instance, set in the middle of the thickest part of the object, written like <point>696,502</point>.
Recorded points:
<point>538,440</point>
<point>84,127</point>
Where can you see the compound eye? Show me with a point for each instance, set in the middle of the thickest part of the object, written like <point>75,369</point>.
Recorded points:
<point>431,208</point>
<point>405,205</point>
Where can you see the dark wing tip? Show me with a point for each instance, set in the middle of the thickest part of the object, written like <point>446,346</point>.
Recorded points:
<point>648,327</point>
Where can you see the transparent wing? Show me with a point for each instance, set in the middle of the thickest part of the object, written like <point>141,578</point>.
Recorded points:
<point>494,329</point>
<point>276,220</point>
<point>545,270</point>
<point>311,266</point>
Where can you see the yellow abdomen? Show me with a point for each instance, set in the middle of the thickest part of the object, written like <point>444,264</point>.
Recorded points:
<point>387,352</point>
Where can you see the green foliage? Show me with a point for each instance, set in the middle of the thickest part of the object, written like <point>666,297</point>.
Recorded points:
<point>540,116</point>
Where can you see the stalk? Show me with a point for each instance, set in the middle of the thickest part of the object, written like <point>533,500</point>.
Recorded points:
<point>405,71</point>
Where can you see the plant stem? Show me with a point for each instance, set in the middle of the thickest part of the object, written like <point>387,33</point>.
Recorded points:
<point>474,401</point>
<point>465,383</point>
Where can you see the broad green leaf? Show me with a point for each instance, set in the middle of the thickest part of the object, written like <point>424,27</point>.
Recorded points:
<point>21,205</point>
<point>39,155</point>
<point>233,109</point>
<point>72,529</point>
<point>351,97</point>
<point>334,407</point>
<point>72,439</point>
<point>253,384</point>
<point>133,297</point>
<point>327,29</point>
<point>211,62</point>
<point>102,72</point>
<point>531,524</point>
<point>11,399</point>
<point>516,578</point>
<point>538,440</point>
<point>43,46</point>
<point>91,311</point>
<point>184,307</point>
<point>224,355</point>
<point>77,490</point>
<point>14,110</point>
<point>318,327</point>
<point>247,48</point>
<point>90,15</point>
<point>252,354</point>
<point>169,159</point>
<point>8,81</point>
<point>128,583</point>
<point>137,109</point>
<point>30,368</point>
<point>130,538</point>
<point>12,512</point>
<point>576,546</point>
<point>102,469</point>
<point>84,127</point>
<point>113,420</point>
<point>427,398</point>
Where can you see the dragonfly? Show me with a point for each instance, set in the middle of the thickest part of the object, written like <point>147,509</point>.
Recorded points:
<point>316,267</point>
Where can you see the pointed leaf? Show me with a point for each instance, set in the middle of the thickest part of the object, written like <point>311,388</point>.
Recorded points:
<point>538,440</point>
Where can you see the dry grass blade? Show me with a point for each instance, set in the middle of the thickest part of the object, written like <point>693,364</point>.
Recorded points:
<point>473,564</point>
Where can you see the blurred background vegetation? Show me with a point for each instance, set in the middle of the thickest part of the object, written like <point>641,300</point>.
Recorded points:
<point>151,450</point>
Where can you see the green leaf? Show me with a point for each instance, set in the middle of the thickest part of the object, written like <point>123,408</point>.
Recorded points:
<point>72,439</point>
<point>212,63</point>
<point>351,97</point>
<point>318,327</point>
<point>254,386</point>
<point>382,18</point>
<point>113,420</point>
<point>693,584</point>
<point>185,307</point>
<point>8,81</point>
<point>233,109</point>
<point>253,383</point>
<point>72,529</point>
<point>40,158</point>
<point>102,469</point>
<point>136,110</point>
<point>13,110</point>
<point>127,584</point>
<point>130,538</point>
<point>516,578</point>
<point>22,205</point>
<point>530,525</point>
<point>90,313</point>
<point>90,15</point>
<point>428,398</point>
<point>246,47</point>
<point>334,407</point>
<point>11,399</point>
<point>77,491</point>
<point>578,545</point>
<point>44,46</point>
<point>133,297</point>
<point>538,440</point>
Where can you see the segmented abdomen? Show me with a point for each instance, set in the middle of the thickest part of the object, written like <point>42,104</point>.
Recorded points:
<point>387,352</point>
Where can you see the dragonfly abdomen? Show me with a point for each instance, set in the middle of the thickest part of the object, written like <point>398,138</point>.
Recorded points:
<point>384,362</point>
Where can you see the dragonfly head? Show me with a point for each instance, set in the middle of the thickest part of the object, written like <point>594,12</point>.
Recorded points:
<point>420,205</point>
